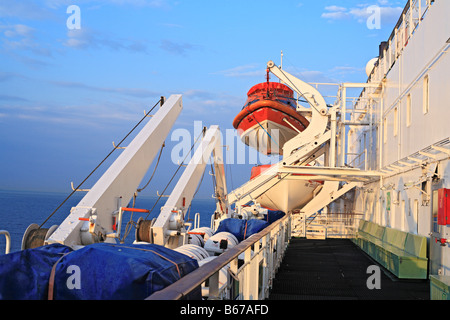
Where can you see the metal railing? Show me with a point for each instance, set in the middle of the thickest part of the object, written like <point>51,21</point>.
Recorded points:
<point>359,160</point>
<point>8,240</point>
<point>332,225</point>
<point>250,268</point>
<point>342,225</point>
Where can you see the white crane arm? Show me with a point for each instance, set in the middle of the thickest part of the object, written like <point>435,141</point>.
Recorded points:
<point>118,184</point>
<point>168,229</point>
<point>319,119</point>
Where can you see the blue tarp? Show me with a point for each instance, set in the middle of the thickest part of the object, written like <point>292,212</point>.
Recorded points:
<point>273,216</point>
<point>95,272</point>
<point>24,274</point>
<point>242,229</point>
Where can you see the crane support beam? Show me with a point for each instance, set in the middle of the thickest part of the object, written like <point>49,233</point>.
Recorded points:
<point>257,186</point>
<point>319,109</point>
<point>169,230</point>
<point>118,184</point>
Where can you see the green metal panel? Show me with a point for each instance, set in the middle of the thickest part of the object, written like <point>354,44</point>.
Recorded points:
<point>439,287</point>
<point>416,245</point>
<point>395,238</point>
<point>401,253</point>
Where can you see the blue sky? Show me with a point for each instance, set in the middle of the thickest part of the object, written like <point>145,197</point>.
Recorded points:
<point>65,95</point>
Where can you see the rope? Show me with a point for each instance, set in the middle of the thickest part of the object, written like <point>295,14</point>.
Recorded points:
<point>51,281</point>
<point>75,190</point>
<point>178,169</point>
<point>245,230</point>
<point>154,170</point>
<point>198,188</point>
<point>215,188</point>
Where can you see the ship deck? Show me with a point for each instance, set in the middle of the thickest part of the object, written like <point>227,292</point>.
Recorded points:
<point>336,269</point>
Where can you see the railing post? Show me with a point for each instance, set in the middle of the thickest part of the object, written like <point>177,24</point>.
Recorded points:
<point>232,294</point>
<point>214,286</point>
<point>247,274</point>
<point>265,265</point>
<point>255,271</point>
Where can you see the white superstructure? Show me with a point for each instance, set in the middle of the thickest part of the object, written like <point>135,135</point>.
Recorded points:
<point>408,137</point>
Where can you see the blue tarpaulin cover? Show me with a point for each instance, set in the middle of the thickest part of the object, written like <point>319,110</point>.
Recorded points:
<point>273,216</point>
<point>24,274</point>
<point>242,229</point>
<point>95,272</point>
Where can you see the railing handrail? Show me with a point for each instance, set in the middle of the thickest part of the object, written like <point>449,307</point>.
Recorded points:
<point>8,240</point>
<point>193,280</point>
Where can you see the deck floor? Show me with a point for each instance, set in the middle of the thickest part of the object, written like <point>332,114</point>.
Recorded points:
<point>336,269</point>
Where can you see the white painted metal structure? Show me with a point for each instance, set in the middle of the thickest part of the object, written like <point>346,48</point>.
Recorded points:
<point>118,184</point>
<point>407,104</point>
<point>169,229</point>
<point>306,147</point>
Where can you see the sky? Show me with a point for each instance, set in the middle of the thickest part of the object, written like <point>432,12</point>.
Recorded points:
<point>67,94</point>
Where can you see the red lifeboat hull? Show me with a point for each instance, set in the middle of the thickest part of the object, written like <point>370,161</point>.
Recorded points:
<point>269,119</point>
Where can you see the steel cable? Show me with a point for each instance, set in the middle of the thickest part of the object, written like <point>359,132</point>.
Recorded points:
<point>160,102</point>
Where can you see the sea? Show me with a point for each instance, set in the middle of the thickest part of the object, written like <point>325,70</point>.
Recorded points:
<point>19,209</point>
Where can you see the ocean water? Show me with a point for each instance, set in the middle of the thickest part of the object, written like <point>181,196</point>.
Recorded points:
<point>19,209</point>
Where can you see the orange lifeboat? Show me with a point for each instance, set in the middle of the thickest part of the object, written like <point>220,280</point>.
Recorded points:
<point>269,118</point>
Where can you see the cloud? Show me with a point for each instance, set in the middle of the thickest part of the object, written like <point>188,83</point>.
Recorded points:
<point>244,71</point>
<point>23,10</point>
<point>134,92</point>
<point>346,70</point>
<point>177,48</point>
<point>93,114</point>
<point>5,97</point>
<point>20,37</point>
<point>198,94</point>
<point>56,4</point>
<point>31,62</point>
<point>335,12</point>
<point>314,76</point>
<point>206,103</point>
<point>362,12</point>
<point>6,76</point>
<point>86,38</point>
<point>20,30</point>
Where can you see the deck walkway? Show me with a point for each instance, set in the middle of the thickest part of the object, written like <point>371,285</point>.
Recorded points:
<point>336,269</point>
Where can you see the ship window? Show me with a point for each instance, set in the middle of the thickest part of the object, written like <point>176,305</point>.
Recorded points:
<point>426,94</point>
<point>408,110</point>
<point>395,122</point>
